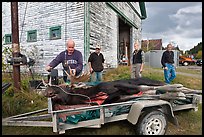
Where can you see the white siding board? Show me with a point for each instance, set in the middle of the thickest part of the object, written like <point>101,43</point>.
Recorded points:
<point>41,16</point>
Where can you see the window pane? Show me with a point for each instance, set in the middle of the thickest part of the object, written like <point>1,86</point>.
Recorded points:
<point>32,36</point>
<point>8,39</point>
<point>55,32</point>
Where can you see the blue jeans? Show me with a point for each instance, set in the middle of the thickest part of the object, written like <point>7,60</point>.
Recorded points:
<point>169,74</point>
<point>98,76</point>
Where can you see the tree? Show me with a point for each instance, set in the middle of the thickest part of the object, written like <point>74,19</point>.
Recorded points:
<point>195,49</point>
<point>199,55</point>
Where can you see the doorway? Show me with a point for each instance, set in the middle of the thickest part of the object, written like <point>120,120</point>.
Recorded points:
<point>124,43</point>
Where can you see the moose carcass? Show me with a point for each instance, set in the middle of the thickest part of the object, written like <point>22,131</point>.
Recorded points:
<point>113,90</point>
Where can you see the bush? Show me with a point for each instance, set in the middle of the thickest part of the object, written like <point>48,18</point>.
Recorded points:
<point>23,101</point>
<point>122,72</point>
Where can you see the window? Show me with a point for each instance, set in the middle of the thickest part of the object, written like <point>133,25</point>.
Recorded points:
<point>8,39</point>
<point>32,36</point>
<point>55,32</point>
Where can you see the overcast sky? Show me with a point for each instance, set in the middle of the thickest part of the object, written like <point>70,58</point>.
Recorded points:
<point>177,22</point>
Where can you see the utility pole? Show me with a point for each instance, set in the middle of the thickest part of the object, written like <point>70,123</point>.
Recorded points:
<point>15,45</point>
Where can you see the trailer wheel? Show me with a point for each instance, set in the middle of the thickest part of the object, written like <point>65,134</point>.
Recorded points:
<point>151,123</point>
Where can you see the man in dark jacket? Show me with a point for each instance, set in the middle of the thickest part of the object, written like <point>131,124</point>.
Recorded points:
<point>167,62</point>
<point>96,62</point>
<point>69,58</point>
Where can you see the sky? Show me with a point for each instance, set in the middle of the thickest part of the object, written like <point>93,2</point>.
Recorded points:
<point>179,23</point>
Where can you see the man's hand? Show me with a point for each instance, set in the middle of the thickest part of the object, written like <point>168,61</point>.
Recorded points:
<point>140,70</point>
<point>166,68</point>
<point>48,68</point>
<point>73,72</point>
<point>91,70</point>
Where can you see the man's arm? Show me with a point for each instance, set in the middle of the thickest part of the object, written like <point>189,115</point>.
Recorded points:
<point>79,63</point>
<point>55,62</point>
<point>163,60</point>
<point>89,62</point>
<point>90,67</point>
<point>103,59</point>
<point>143,60</point>
<point>141,68</point>
<point>132,58</point>
<point>173,56</point>
<point>48,68</point>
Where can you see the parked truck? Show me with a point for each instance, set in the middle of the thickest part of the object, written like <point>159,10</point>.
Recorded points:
<point>185,61</point>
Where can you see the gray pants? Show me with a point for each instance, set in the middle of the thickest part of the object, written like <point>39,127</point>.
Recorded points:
<point>135,70</point>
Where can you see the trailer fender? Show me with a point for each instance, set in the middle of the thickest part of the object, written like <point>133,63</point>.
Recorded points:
<point>137,108</point>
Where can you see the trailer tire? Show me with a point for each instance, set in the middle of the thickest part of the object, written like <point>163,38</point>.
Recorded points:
<point>151,123</point>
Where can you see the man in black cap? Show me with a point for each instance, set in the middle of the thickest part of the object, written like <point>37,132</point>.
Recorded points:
<point>96,62</point>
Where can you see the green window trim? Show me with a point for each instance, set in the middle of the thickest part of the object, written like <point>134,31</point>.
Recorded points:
<point>55,32</point>
<point>86,30</point>
<point>142,16</point>
<point>143,10</point>
<point>8,38</point>
<point>122,15</point>
<point>32,36</point>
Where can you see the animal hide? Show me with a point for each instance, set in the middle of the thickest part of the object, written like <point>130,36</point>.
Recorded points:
<point>114,90</point>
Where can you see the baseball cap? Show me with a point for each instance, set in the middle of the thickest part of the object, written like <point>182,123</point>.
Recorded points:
<point>98,46</point>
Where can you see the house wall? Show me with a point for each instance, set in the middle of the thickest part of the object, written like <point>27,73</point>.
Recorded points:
<point>41,16</point>
<point>104,28</point>
<point>135,33</point>
<point>87,23</point>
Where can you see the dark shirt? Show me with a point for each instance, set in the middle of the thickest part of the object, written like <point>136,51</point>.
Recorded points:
<point>167,57</point>
<point>96,61</point>
<point>75,61</point>
<point>137,56</point>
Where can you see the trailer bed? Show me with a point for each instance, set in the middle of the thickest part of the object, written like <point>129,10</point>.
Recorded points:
<point>106,113</point>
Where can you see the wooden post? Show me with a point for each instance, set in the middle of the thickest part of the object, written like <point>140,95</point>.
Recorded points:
<point>15,44</point>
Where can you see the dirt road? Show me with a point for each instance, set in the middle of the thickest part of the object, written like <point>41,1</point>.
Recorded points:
<point>186,74</point>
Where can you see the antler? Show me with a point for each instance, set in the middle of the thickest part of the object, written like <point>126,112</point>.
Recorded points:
<point>75,79</point>
<point>45,84</point>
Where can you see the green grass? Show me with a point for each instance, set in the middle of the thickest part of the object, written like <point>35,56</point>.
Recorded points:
<point>22,102</point>
<point>190,122</point>
<point>186,81</point>
<point>25,100</point>
<point>122,72</point>
<point>185,69</point>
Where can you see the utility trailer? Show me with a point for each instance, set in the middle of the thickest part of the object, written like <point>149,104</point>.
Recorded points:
<point>149,114</point>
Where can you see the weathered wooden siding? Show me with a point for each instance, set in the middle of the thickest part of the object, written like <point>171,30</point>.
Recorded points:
<point>125,8</point>
<point>130,13</point>
<point>99,24</point>
<point>104,28</point>
<point>41,16</point>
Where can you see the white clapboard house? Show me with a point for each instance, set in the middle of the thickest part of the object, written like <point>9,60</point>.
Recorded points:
<point>44,28</point>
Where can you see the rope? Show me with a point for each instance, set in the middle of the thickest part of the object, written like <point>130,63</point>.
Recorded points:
<point>23,21</point>
<point>65,31</point>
